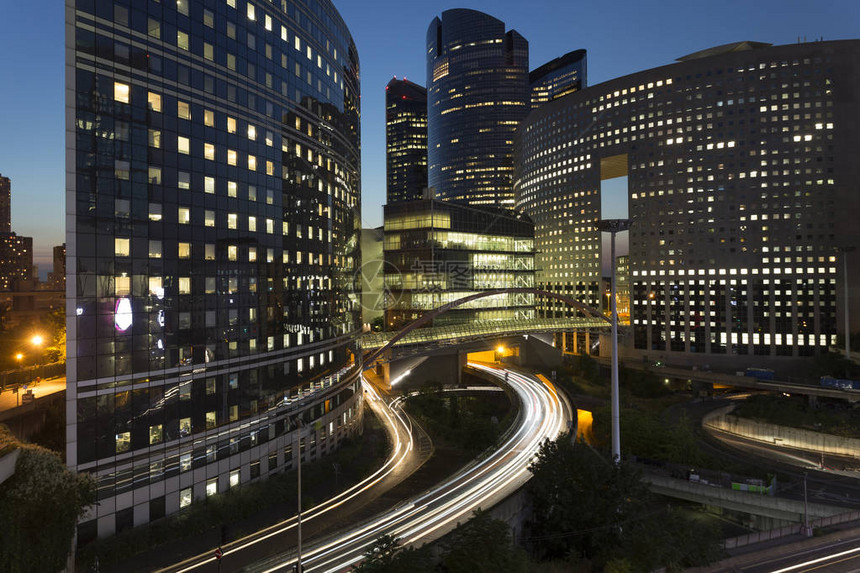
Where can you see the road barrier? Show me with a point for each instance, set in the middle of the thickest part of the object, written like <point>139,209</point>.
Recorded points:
<point>793,529</point>
<point>14,378</point>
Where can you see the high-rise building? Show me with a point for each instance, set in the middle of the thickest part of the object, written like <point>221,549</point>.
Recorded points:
<point>437,252</point>
<point>213,234</point>
<point>477,92</point>
<point>559,77</point>
<point>5,204</point>
<point>16,261</point>
<point>405,140</point>
<point>741,166</point>
<point>57,278</point>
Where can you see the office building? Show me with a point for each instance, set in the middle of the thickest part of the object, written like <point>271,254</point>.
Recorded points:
<point>437,252</point>
<point>558,77</point>
<point>57,278</point>
<point>477,92</point>
<point>741,166</point>
<point>213,232</point>
<point>405,140</point>
<point>5,204</point>
<point>16,260</point>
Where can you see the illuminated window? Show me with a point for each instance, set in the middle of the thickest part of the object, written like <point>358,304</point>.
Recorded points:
<point>155,211</point>
<point>209,151</point>
<point>234,413</point>
<point>252,193</point>
<point>209,252</point>
<point>252,223</point>
<point>183,145</point>
<point>156,435</point>
<point>154,249</point>
<point>184,497</point>
<point>154,101</point>
<point>234,478</point>
<point>181,40</point>
<point>153,28</point>
<point>231,124</point>
<point>209,118</point>
<point>184,285</point>
<point>121,92</point>
<point>184,215</point>
<point>251,13</point>
<point>183,180</point>
<point>122,286</point>
<point>252,162</point>
<point>185,459</point>
<point>154,138</point>
<point>232,220</point>
<point>182,7</point>
<point>209,218</point>
<point>232,189</point>
<point>154,175</point>
<point>184,250</point>
<point>252,132</point>
<point>211,486</point>
<point>183,110</point>
<point>211,420</point>
<point>123,442</point>
<point>209,185</point>
<point>208,18</point>
<point>122,247</point>
<point>155,288</point>
<point>231,61</point>
<point>231,157</point>
<point>208,51</point>
<point>232,252</point>
<point>252,257</point>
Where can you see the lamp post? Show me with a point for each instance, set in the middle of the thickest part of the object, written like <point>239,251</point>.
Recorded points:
<point>614,226</point>
<point>845,251</point>
<point>299,524</point>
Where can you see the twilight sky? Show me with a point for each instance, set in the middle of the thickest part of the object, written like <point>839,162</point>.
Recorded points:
<point>621,37</point>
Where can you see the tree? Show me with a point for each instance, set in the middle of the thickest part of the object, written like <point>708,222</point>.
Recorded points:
<point>482,545</point>
<point>587,509</point>
<point>387,556</point>
<point>39,507</point>
<point>55,323</point>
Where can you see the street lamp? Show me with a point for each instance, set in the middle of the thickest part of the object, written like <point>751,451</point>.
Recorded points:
<point>614,226</point>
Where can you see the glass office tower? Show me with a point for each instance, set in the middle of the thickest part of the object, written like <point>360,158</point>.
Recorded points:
<point>405,140</point>
<point>478,92</point>
<point>558,77</point>
<point>213,208</point>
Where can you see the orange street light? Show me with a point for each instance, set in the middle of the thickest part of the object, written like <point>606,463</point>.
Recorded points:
<point>19,357</point>
<point>37,340</point>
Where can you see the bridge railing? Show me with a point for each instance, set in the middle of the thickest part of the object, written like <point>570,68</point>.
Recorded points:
<point>21,376</point>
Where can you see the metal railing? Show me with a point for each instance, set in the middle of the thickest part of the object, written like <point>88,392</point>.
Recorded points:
<point>22,376</point>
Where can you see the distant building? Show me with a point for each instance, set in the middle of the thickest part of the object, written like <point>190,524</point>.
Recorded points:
<point>405,140</point>
<point>16,260</point>
<point>477,92</point>
<point>558,78</point>
<point>742,171</point>
<point>437,252</point>
<point>5,205</point>
<point>57,278</point>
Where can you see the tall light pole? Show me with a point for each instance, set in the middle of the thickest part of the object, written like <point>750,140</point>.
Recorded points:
<point>845,251</point>
<point>299,524</point>
<point>614,226</point>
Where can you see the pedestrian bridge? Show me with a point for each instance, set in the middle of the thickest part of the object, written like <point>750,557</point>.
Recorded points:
<point>476,330</point>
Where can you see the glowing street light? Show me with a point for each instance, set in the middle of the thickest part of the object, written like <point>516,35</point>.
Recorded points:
<point>37,340</point>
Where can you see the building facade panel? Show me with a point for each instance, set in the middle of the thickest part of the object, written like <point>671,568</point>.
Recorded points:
<point>213,201</point>
<point>740,176</point>
<point>405,140</point>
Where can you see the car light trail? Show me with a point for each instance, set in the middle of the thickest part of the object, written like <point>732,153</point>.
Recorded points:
<point>543,415</point>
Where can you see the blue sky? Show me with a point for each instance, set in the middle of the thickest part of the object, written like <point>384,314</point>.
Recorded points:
<point>621,37</point>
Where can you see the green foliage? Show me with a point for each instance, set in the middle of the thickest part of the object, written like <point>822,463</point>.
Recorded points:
<point>645,434</point>
<point>598,515</point>
<point>642,383</point>
<point>585,367</point>
<point>39,507</point>
<point>834,364</point>
<point>482,545</point>
<point>55,324</point>
<point>466,422</point>
<point>796,412</point>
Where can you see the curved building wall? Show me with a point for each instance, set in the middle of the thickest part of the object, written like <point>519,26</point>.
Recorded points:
<point>477,94</point>
<point>742,183</point>
<point>213,216</point>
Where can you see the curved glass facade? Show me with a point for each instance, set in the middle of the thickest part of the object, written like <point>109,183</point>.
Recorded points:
<point>741,166</point>
<point>213,204</point>
<point>477,94</point>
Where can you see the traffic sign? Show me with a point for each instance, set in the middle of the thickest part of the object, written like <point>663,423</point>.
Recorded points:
<point>218,554</point>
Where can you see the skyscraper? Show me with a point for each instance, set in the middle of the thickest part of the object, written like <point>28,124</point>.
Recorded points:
<point>212,241</point>
<point>5,205</point>
<point>16,260</point>
<point>558,77</point>
<point>405,140</point>
<point>478,92</point>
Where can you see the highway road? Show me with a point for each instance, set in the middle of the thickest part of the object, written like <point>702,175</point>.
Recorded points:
<point>404,459</point>
<point>835,555</point>
<point>543,414</point>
